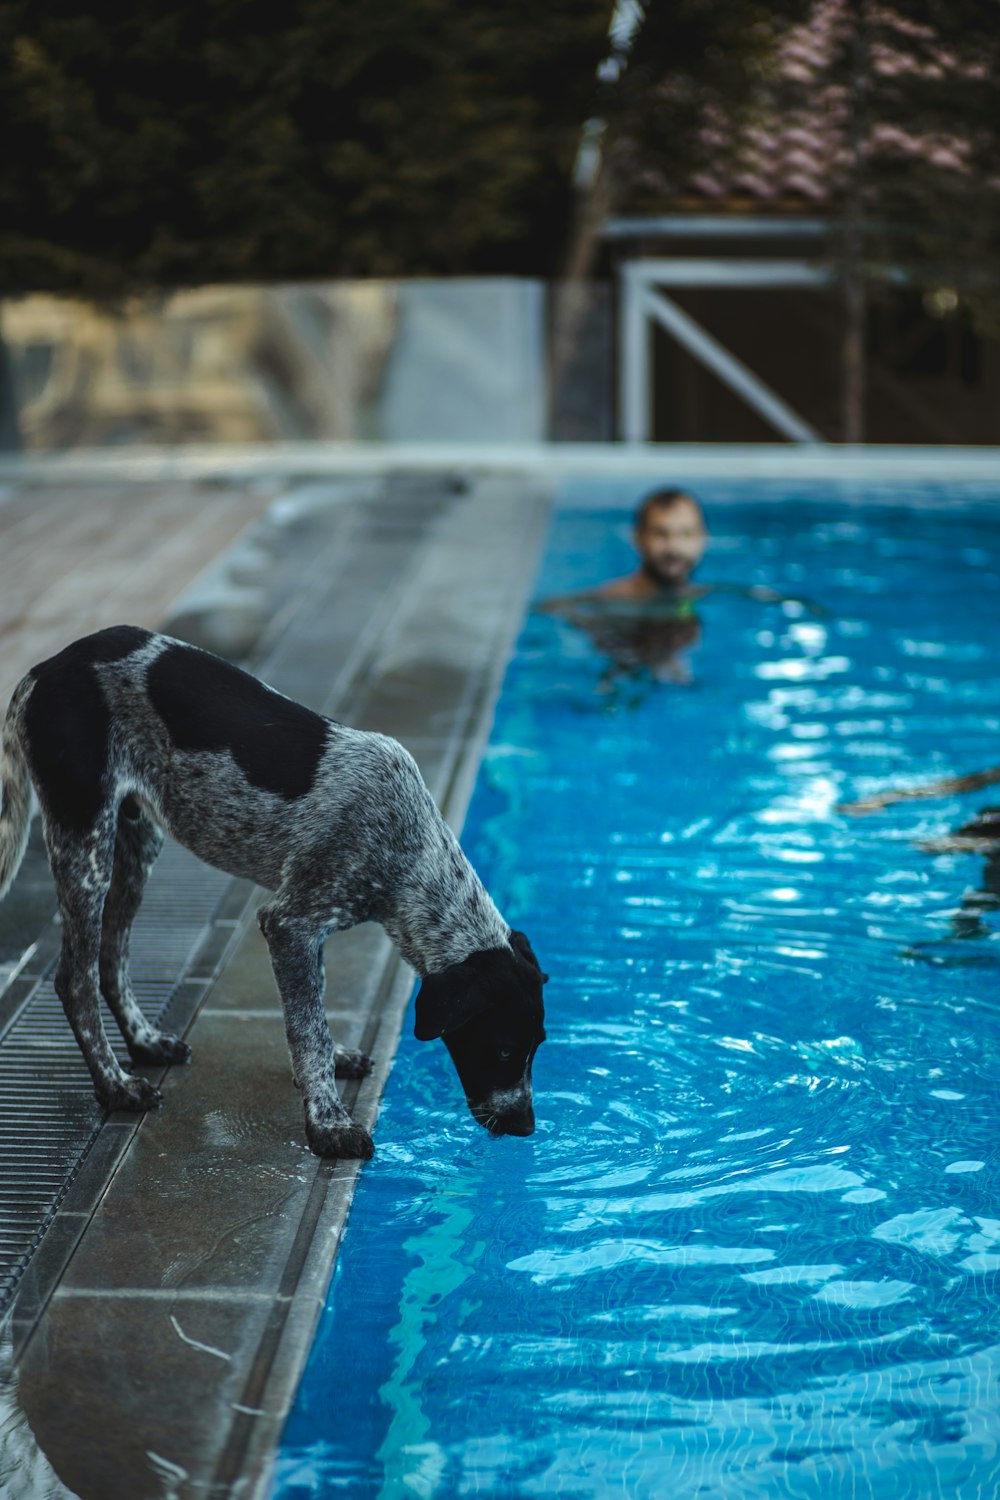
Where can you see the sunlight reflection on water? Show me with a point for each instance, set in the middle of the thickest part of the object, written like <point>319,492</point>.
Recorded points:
<point>752,1248</point>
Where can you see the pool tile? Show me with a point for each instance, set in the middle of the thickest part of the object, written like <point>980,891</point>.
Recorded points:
<point>422,698</point>
<point>87,1378</point>
<point>230,1134</point>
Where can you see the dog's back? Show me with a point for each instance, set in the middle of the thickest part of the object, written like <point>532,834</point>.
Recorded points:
<point>128,713</point>
<point>241,775</point>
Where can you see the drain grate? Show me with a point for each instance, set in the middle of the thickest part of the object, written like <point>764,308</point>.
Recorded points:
<point>49,1117</point>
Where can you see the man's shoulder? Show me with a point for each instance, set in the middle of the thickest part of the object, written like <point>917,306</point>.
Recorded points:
<point>615,588</point>
<point>620,588</point>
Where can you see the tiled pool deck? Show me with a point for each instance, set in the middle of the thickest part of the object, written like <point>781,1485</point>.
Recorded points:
<point>156,1336</point>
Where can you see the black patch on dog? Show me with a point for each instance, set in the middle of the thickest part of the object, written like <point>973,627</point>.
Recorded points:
<point>491,978</point>
<point>208,704</point>
<point>522,947</point>
<point>109,645</point>
<point>67,722</point>
<point>449,999</point>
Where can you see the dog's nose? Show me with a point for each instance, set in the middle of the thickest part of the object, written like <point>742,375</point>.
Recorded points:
<point>517,1121</point>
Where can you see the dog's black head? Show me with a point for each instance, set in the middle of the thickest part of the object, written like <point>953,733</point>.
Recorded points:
<point>488,1010</point>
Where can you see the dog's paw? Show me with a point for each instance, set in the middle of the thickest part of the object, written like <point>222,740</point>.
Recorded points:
<point>165,1049</point>
<point>350,1142</point>
<point>134,1094</point>
<point>352,1064</point>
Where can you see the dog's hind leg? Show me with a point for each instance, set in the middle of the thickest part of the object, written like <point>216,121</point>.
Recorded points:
<point>83,866</point>
<point>138,842</point>
<point>295,945</point>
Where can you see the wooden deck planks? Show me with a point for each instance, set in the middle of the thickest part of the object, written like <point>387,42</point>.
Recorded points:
<point>76,560</point>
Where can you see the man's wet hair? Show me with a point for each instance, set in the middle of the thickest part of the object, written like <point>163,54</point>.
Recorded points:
<point>662,500</point>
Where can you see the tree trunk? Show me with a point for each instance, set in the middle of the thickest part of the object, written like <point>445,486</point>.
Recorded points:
<point>573,300</point>
<point>853,364</point>
<point>853,354</point>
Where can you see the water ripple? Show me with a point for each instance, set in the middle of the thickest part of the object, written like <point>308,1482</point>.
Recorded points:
<point>753,1249</point>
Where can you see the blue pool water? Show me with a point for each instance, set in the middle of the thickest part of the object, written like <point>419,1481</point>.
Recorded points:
<point>752,1248</point>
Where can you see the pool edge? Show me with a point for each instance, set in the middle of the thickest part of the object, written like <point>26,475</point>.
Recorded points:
<point>483,540</point>
<point>250,1456</point>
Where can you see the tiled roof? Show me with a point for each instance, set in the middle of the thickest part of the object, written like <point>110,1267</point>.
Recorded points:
<point>793,147</point>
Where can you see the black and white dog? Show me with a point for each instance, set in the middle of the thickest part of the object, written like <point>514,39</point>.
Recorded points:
<point>125,733</point>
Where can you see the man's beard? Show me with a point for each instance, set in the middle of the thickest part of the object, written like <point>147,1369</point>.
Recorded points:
<point>655,572</point>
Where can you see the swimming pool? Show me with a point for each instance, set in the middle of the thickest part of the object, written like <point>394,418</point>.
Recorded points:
<point>752,1248</point>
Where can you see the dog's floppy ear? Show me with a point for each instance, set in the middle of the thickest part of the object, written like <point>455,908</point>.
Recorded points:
<point>447,1000</point>
<point>523,949</point>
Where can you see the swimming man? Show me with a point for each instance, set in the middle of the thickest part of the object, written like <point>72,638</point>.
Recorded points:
<point>645,620</point>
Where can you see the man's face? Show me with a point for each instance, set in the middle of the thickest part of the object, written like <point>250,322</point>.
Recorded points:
<point>672,541</point>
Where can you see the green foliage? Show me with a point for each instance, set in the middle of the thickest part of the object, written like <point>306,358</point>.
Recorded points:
<point>691,63</point>
<point>184,141</point>
<point>908,95</point>
<point>935,213</point>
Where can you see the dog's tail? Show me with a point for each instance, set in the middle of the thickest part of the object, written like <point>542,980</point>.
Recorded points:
<point>15,789</point>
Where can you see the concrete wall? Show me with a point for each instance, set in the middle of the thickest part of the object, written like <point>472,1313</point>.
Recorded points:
<point>468,363</point>
<point>462,360</point>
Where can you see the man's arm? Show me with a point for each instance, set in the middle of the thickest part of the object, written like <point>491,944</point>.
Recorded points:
<point>943,788</point>
<point>761,592</point>
<point>559,604</point>
<point>618,588</point>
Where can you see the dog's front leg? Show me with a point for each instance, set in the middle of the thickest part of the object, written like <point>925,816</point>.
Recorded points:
<point>295,946</point>
<point>350,1062</point>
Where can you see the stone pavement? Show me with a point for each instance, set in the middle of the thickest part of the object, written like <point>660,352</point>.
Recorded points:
<point>159,1330</point>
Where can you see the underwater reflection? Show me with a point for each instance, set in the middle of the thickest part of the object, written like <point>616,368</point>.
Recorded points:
<point>980,835</point>
<point>645,644</point>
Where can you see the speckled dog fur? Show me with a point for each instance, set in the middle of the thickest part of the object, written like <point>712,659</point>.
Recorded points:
<point>126,733</point>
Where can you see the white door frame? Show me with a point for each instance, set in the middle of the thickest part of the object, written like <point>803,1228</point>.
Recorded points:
<point>643,303</point>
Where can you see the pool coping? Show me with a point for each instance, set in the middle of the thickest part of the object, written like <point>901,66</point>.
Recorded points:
<point>547,463</point>
<point>476,546</point>
<point>252,1449</point>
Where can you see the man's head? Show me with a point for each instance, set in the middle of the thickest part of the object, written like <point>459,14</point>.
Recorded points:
<point>670,536</point>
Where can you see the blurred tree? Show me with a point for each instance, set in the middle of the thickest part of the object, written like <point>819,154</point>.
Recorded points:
<point>184,141</point>
<point>689,67</point>
<point>932,194</point>
<point>895,107</point>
